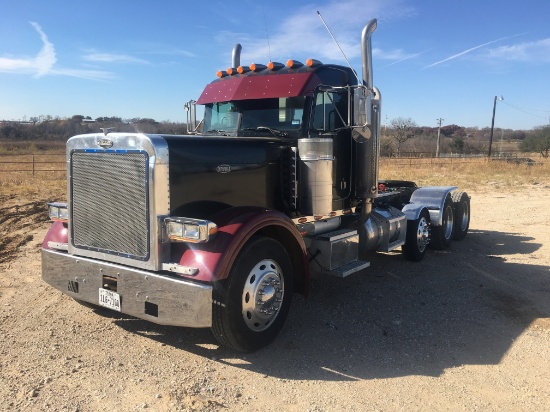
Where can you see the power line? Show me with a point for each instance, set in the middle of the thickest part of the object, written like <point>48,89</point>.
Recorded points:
<point>526,112</point>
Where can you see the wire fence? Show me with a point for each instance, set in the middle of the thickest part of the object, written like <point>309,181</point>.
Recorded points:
<point>37,164</point>
<point>32,163</point>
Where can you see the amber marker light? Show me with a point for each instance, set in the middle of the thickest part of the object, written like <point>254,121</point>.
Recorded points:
<point>231,71</point>
<point>255,67</point>
<point>313,62</point>
<point>221,73</point>
<point>294,64</point>
<point>275,65</point>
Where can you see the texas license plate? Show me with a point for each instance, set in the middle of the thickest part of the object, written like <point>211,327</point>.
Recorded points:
<point>109,299</point>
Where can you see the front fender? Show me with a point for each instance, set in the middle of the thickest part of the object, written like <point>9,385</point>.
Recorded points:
<point>236,226</point>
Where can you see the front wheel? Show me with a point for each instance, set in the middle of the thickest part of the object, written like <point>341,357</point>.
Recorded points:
<point>418,236</point>
<point>251,305</point>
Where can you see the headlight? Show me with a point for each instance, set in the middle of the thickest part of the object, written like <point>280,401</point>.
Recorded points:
<point>182,229</point>
<point>58,212</point>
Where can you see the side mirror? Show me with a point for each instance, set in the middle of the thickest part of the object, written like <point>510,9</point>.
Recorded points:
<point>191,116</point>
<point>361,127</point>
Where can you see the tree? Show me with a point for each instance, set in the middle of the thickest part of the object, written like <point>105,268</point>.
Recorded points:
<point>537,141</point>
<point>457,145</point>
<point>401,130</point>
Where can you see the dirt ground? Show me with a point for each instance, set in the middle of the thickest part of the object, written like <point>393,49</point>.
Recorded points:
<point>465,329</point>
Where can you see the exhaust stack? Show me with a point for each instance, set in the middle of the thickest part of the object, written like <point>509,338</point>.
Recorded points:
<point>236,56</point>
<point>368,151</point>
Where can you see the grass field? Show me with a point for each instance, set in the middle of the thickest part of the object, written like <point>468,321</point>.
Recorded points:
<point>479,174</point>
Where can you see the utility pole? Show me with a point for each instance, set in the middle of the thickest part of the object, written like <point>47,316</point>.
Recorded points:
<point>440,120</point>
<point>493,124</point>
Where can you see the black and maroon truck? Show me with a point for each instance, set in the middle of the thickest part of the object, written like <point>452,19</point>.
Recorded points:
<point>218,228</point>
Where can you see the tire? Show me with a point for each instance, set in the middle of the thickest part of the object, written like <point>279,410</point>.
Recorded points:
<point>461,203</point>
<point>418,237</point>
<point>442,236</point>
<point>251,305</point>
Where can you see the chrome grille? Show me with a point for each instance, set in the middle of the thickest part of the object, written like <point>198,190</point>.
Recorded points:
<point>109,202</point>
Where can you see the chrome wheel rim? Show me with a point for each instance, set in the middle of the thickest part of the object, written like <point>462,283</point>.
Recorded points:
<point>262,295</point>
<point>422,234</point>
<point>448,222</point>
<point>465,218</point>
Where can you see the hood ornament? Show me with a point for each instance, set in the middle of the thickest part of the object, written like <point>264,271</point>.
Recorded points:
<point>106,130</point>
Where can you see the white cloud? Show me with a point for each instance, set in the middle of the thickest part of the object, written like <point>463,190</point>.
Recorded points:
<point>39,65</point>
<point>84,74</point>
<point>113,58</point>
<point>527,52</point>
<point>303,35</point>
<point>45,61</point>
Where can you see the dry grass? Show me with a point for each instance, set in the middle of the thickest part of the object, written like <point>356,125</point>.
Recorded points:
<point>473,175</point>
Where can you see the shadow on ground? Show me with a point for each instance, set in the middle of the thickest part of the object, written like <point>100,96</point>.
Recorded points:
<point>459,307</point>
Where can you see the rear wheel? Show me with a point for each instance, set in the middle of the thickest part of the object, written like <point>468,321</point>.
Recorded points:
<point>251,305</point>
<point>461,203</point>
<point>418,236</point>
<point>443,235</point>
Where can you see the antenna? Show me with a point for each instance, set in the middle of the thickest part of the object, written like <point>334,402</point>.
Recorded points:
<point>266,33</point>
<point>335,41</point>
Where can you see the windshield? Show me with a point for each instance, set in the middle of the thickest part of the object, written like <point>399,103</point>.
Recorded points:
<point>276,116</point>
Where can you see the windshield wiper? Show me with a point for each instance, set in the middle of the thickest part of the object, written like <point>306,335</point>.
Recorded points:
<point>274,132</point>
<point>218,131</point>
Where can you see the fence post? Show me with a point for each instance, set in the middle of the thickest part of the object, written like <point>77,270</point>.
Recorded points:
<point>33,164</point>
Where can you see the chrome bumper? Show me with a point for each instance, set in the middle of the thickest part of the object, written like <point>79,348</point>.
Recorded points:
<point>158,298</point>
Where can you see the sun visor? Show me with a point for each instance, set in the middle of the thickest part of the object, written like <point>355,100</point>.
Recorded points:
<point>259,87</point>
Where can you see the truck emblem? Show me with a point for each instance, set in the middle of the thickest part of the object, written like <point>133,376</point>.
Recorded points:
<point>223,169</point>
<point>105,143</point>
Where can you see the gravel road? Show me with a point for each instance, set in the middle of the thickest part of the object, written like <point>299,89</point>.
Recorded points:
<point>465,329</point>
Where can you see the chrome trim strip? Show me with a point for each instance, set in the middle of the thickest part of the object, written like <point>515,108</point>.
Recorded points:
<point>180,302</point>
<point>58,246</point>
<point>184,270</point>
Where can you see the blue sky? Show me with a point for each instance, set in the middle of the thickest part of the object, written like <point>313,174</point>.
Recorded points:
<point>432,58</point>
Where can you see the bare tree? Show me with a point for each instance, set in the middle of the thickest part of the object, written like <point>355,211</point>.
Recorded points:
<point>401,130</point>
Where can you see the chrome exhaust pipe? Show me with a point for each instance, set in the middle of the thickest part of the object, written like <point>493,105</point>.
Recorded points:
<point>369,150</point>
<point>236,56</point>
<point>366,48</point>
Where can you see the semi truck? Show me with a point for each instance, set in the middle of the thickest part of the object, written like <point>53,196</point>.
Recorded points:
<point>220,227</point>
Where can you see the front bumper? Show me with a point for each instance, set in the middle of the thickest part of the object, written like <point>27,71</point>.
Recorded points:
<point>176,302</point>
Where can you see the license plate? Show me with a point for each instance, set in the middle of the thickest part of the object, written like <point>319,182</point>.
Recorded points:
<point>109,299</point>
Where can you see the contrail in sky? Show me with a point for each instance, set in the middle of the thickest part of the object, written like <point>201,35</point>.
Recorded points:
<point>405,58</point>
<point>472,49</point>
